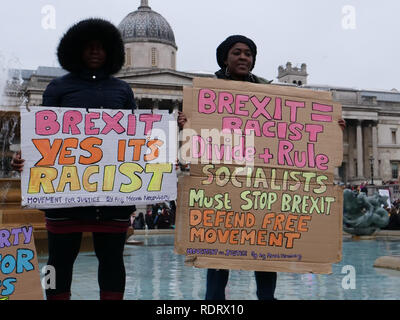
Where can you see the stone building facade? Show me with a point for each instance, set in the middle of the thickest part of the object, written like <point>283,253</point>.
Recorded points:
<point>293,75</point>
<point>371,138</point>
<point>149,40</point>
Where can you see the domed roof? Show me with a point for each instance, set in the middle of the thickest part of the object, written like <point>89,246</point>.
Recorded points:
<point>146,25</point>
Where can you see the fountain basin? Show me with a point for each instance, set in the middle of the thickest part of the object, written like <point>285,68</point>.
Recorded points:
<point>388,262</point>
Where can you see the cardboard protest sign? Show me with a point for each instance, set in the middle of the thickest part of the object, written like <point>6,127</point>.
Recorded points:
<point>260,195</point>
<point>75,157</point>
<point>19,271</point>
<point>262,125</point>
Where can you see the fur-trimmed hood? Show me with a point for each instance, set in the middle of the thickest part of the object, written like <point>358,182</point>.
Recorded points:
<point>71,46</point>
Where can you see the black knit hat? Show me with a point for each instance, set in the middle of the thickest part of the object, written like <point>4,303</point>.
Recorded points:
<point>71,46</point>
<point>224,47</point>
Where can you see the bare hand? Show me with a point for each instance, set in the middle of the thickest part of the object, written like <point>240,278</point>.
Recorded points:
<point>17,163</point>
<point>181,119</point>
<point>342,124</point>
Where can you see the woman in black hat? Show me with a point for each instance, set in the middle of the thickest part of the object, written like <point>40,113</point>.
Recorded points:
<point>92,51</point>
<point>236,57</point>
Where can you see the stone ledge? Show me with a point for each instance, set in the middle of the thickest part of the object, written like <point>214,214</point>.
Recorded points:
<point>388,233</point>
<point>388,262</point>
<point>380,233</point>
<point>153,232</point>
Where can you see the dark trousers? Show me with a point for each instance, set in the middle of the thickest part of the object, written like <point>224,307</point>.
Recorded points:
<point>218,279</point>
<point>109,247</point>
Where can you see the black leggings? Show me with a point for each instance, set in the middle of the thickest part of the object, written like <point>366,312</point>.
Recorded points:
<point>218,279</point>
<point>109,247</point>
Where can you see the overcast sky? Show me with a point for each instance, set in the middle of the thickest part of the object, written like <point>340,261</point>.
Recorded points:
<point>351,43</point>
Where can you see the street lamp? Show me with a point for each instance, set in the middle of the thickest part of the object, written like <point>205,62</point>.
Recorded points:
<point>371,161</point>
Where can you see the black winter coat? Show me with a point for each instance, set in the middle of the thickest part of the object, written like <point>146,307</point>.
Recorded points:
<point>221,74</point>
<point>89,90</point>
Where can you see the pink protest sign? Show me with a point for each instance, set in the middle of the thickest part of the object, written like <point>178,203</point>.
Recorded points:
<point>76,157</point>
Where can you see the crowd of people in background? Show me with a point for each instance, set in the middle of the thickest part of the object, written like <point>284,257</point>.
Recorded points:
<point>359,188</point>
<point>158,216</point>
<point>363,186</point>
<point>394,216</point>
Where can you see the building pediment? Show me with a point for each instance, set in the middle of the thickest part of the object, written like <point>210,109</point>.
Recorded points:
<point>153,77</point>
<point>360,115</point>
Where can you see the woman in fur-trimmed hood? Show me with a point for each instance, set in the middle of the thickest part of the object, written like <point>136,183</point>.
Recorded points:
<point>92,51</point>
<point>72,44</point>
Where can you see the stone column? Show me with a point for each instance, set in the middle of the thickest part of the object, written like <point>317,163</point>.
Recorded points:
<point>351,140</point>
<point>156,104</point>
<point>175,106</point>
<point>360,158</point>
<point>375,149</point>
<point>137,101</point>
<point>336,174</point>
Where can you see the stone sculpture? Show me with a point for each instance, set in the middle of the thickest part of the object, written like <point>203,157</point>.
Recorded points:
<point>362,214</point>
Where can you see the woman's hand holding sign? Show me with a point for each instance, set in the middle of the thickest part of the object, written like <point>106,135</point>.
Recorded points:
<point>17,163</point>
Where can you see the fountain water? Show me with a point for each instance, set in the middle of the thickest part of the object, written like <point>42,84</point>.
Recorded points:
<point>11,85</point>
<point>3,79</point>
<point>13,95</point>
